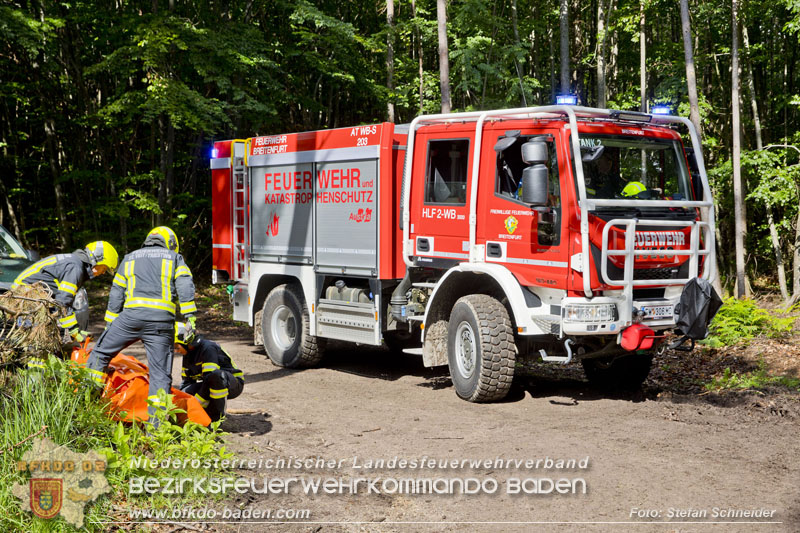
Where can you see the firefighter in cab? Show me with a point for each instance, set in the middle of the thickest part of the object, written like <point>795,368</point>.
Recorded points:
<point>65,274</point>
<point>141,306</point>
<point>209,373</point>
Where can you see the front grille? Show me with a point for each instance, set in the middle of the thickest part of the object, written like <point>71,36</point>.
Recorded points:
<point>655,273</point>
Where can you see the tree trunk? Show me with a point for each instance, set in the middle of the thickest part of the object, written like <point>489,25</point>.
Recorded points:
<point>752,88</point>
<point>516,42</point>
<point>170,176</point>
<point>489,55</point>
<point>776,245</point>
<point>50,133</point>
<point>552,65</point>
<point>564,19</point>
<point>738,199</point>
<point>613,63</point>
<point>691,79</point>
<point>796,260</point>
<point>444,56</point>
<point>418,36</point>
<point>642,59</point>
<point>600,54</point>
<point>12,215</point>
<point>773,230</point>
<point>390,59</point>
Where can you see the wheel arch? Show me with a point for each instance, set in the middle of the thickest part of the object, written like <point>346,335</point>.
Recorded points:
<point>477,278</point>
<point>266,283</point>
<point>461,280</point>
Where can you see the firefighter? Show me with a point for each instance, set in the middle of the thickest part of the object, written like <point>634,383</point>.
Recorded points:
<point>141,307</point>
<point>64,274</point>
<point>633,189</point>
<point>208,371</point>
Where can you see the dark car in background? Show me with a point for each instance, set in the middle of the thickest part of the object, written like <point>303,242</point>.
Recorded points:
<point>14,258</point>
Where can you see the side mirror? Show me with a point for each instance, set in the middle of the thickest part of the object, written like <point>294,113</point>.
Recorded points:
<point>535,181</point>
<point>535,152</point>
<point>33,255</point>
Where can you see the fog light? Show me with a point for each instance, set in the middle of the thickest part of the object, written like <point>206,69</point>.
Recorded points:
<point>590,313</point>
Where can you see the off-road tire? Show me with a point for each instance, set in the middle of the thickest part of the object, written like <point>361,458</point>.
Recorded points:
<point>623,373</point>
<point>288,342</point>
<point>486,374</point>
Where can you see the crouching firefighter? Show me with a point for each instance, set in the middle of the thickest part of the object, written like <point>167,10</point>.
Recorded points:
<point>65,274</point>
<point>209,373</point>
<point>141,307</point>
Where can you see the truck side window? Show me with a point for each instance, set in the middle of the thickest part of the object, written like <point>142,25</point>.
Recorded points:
<point>549,227</point>
<point>509,176</point>
<point>446,174</point>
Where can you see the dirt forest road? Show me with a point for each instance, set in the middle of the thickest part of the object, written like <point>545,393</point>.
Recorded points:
<point>649,457</point>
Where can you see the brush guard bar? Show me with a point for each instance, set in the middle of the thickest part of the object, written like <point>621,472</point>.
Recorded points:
<point>629,253</point>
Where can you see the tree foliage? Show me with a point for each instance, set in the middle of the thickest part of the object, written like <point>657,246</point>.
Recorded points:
<point>108,109</point>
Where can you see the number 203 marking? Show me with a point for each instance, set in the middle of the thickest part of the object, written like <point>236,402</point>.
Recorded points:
<point>362,141</point>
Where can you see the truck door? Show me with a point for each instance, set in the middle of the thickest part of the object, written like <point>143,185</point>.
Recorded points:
<point>440,197</point>
<point>531,241</point>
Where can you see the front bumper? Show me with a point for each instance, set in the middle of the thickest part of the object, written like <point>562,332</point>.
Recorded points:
<point>626,314</point>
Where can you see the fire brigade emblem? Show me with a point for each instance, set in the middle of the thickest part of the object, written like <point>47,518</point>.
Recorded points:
<point>511,224</point>
<point>45,496</point>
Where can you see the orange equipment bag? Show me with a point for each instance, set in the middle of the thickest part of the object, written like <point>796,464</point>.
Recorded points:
<point>127,388</point>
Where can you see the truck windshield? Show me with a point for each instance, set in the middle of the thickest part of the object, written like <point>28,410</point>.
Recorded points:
<point>634,168</point>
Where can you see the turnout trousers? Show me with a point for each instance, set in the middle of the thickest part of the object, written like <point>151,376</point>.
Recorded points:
<point>157,337</point>
<point>212,393</point>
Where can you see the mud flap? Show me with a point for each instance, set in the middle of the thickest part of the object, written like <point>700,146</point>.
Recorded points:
<point>698,304</point>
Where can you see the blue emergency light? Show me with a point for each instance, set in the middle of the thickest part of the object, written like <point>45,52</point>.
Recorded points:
<point>566,99</point>
<point>213,153</point>
<point>661,109</point>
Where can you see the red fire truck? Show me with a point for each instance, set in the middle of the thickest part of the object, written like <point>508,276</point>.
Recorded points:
<point>471,239</point>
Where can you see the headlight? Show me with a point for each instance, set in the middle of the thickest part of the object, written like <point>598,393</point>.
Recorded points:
<point>81,300</point>
<point>590,313</point>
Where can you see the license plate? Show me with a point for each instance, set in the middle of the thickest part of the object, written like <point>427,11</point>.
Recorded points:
<point>657,311</point>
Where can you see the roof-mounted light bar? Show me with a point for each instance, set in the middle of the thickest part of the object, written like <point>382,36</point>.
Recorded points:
<point>661,109</point>
<point>631,116</point>
<point>567,99</point>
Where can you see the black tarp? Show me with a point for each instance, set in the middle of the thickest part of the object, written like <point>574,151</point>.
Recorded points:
<point>698,304</point>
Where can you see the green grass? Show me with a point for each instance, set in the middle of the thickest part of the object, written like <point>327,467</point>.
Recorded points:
<point>758,379</point>
<point>59,399</point>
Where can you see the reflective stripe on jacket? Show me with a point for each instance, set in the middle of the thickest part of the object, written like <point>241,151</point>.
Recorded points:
<point>64,274</point>
<point>203,357</point>
<point>148,280</point>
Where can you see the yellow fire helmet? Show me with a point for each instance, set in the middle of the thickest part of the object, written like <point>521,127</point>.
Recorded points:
<point>183,333</point>
<point>633,188</point>
<point>103,254</point>
<point>163,235</point>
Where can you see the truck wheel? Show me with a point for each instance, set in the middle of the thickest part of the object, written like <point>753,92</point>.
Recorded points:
<point>285,325</point>
<point>625,373</point>
<point>480,348</point>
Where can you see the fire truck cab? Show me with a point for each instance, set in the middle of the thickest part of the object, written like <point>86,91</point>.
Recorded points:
<point>472,239</point>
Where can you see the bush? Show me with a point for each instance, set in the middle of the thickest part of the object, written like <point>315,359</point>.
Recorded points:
<point>742,320</point>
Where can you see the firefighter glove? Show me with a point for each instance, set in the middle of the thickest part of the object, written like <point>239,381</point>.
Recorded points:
<point>78,335</point>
